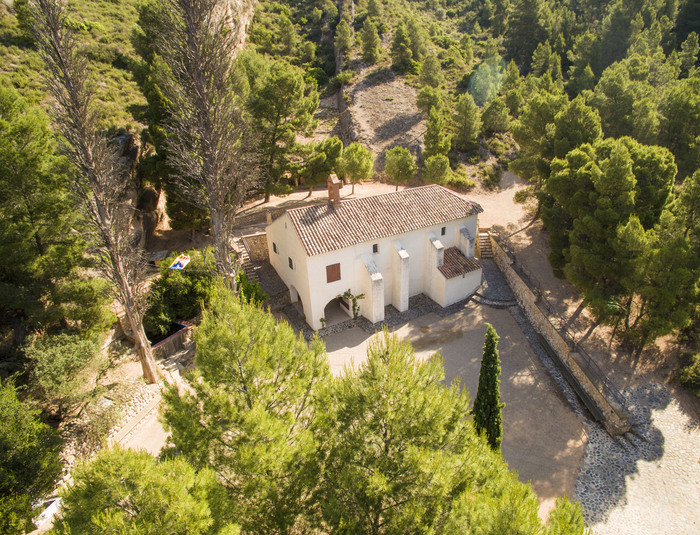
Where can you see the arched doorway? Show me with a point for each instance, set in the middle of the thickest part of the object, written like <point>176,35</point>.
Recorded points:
<point>335,312</point>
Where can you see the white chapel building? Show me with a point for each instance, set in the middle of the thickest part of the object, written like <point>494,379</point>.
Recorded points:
<point>388,247</point>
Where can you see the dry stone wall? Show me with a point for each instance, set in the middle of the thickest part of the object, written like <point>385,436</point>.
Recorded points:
<point>256,244</point>
<point>528,302</point>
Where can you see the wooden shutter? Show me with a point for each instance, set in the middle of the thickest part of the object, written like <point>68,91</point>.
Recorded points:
<point>333,273</point>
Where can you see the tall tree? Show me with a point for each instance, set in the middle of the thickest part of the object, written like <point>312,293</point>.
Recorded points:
<point>40,254</point>
<point>534,132</point>
<point>428,98</point>
<point>400,165</point>
<point>122,490</point>
<point>495,117</point>
<point>398,456</point>
<point>401,53</point>
<point>369,42</point>
<point>437,140</point>
<point>466,123</point>
<point>374,9</point>
<point>680,123</point>
<point>528,25</point>
<point>248,411</point>
<point>209,147</point>
<point>356,164</point>
<point>431,71</point>
<point>487,403</point>
<point>30,466</point>
<point>282,104</point>
<point>321,160</point>
<point>343,37</point>
<point>597,189</point>
<point>689,52</point>
<point>417,38</point>
<point>100,180</point>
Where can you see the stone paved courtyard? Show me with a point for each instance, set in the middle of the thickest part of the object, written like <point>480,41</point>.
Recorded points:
<point>651,485</point>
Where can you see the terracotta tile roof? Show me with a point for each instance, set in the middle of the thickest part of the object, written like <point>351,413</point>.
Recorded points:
<point>456,264</point>
<point>323,227</point>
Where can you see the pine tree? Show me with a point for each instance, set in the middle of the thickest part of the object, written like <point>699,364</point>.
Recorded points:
<point>343,36</point>
<point>401,54</point>
<point>466,122</point>
<point>282,105</point>
<point>431,72</point>
<point>125,491</point>
<point>30,452</point>
<point>400,165</point>
<point>436,140</point>
<point>248,411</point>
<point>487,404</point>
<point>356,164</point>
<point>369,41</point>
<point>495,117</point>
<point>374,9</point>
<point>417,37</point>
<point>41,255</point>
<point>528,25</point>
<point>429,98</point>
<point>435,169</point>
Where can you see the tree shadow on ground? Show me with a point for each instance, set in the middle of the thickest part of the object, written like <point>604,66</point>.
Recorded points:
<point>378,77</point>
<point>398,124</point>
<point>602,481</point>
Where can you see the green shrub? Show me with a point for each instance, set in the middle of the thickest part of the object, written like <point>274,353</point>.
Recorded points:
<point>250,291</point>
<point>343,78</point>
<point>319,75</point>
<point>690,374</point>
<point>179,294</point>
<point>58,366</point>
<point>490,175</point>
<point>459,179</point>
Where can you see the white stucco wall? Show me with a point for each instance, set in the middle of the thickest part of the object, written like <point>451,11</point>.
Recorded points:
<point>413,264</point>
<point>281,233</point>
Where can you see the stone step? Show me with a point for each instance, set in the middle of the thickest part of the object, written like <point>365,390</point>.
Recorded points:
<point>246,264</point>
<point>485,245</point>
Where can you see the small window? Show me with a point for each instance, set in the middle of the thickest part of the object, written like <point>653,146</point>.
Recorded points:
<point>274,248</point>
<point>333,273</point>
<point>442,231</point>
<point>375,248</point>
<point>291,264</point>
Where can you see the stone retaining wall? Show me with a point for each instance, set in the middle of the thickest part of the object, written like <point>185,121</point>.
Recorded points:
<point>256,244</point>
<point>173,343</point>
<point>528,302</point>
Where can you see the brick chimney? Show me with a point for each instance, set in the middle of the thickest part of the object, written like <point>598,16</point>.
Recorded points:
<point>334,185</point>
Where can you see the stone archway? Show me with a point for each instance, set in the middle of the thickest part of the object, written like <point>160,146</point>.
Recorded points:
<point>335,312</point>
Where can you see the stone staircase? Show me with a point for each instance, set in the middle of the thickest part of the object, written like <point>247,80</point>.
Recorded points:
<point>486,251</point>
<point>245,262</point>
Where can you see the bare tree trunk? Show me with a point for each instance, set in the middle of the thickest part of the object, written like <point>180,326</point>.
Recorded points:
<point>209,144</point>
<point>143,347</point>
<point>101,182</point>
<point>222,255</point>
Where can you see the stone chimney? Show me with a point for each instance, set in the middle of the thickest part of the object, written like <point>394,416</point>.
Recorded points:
<point>334,185</point>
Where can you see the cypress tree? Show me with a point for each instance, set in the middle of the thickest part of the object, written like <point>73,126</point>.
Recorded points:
<point>487,404</point>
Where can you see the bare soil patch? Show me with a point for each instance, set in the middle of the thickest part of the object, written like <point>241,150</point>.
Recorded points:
<point>384,113</point>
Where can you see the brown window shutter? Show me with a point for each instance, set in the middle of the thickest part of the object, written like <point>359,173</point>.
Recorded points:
<point>333,273</point>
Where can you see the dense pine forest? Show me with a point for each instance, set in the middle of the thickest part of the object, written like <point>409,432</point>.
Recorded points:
<point>104,104</point>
